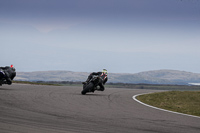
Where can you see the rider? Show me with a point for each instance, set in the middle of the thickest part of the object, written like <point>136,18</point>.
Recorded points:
<point>8,73</point>
<point>103,77</point>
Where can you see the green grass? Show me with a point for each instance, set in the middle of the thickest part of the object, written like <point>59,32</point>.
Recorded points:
<point>35,83</point>
<point>187,102</point>
<point>154,86</point>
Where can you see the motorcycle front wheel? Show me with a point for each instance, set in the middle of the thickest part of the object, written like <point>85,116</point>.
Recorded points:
<point>87,88</point>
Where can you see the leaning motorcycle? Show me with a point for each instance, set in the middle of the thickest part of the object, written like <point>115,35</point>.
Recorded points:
<point>91,85</point>
<point>7,72</point>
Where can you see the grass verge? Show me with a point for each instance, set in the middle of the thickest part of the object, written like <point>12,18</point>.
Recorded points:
<point>187,102</point>
<point>35,83</point>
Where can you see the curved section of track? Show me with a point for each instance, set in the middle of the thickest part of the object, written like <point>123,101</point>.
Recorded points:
<point>61,109</point>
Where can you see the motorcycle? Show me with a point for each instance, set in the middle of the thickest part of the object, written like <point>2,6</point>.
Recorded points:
<point>9,71</point>
<point>91,85</point>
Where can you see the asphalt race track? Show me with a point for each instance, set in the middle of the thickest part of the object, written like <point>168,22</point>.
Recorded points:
<point>61,109</point>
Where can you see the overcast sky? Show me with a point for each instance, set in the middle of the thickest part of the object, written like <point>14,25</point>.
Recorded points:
<point>123,36</point>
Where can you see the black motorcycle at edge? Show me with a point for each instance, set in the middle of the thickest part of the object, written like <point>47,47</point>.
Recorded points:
<point>10,72</point>
<point>91,85</point>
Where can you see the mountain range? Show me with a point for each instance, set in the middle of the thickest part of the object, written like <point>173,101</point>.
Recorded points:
<point>147,77</point>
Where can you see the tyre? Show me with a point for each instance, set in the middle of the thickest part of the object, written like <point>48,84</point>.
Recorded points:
<point>87,88</point>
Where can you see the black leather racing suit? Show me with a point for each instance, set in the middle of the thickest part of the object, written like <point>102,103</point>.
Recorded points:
<point>103,79</point>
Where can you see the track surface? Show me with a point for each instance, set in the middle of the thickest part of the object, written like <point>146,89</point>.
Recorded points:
<point>54,109</point>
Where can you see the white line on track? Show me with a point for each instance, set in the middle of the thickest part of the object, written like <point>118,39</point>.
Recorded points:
<point>134,98</point>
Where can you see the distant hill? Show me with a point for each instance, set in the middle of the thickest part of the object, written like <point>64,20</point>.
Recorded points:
<point>148,77</point>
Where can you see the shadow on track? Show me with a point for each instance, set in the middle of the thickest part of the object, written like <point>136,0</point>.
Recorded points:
<point>5,89</point>
<point>93,94</point>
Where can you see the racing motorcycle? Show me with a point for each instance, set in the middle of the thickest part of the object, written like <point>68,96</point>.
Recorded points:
<point>91,85</point>
<point>10,72</point>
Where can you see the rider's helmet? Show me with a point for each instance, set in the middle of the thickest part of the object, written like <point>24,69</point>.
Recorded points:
<point>12,67</point>
<point>104,71</point>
